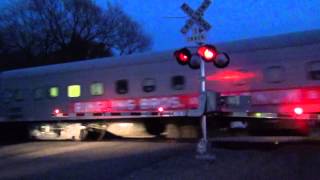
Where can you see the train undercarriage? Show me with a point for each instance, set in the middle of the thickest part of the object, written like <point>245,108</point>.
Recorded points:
<point>177,128</point>
<point>98,130</point>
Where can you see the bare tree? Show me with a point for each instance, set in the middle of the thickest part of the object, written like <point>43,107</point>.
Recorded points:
<point>129,37</point>
<point>2,50</point>
<point>64,30</point>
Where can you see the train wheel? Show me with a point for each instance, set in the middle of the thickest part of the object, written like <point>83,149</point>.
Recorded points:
<point>155,128</point>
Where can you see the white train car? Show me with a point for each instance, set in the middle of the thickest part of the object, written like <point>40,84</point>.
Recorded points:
<point>117,88</point>
<point>281,74</point>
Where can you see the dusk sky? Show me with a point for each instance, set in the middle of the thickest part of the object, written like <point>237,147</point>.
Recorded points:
<point>231,19</point>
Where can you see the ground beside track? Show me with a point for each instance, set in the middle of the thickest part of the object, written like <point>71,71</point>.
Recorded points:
<point>157,160</point>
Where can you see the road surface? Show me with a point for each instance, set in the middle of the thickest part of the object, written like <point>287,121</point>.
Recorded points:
<point>155,160</point>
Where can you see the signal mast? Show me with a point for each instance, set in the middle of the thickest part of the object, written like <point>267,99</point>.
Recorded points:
<point>196,57</point>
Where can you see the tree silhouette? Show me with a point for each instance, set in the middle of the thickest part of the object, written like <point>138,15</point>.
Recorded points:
<point>37,32</point>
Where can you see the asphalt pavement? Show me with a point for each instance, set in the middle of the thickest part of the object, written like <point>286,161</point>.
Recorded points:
<point>157,160</point>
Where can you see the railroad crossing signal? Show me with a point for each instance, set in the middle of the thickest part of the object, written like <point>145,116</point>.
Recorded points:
<point>196,17</point>
<point>208,53</point>
<point>197,35</point>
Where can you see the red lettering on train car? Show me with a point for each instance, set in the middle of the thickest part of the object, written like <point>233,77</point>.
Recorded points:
<point>138,104</point>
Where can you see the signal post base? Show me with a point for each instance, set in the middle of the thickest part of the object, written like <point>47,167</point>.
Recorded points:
<point>203,151</point>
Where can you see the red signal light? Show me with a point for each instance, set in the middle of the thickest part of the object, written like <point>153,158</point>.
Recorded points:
<point>183,56</point>
<point>207,52</point>
<point>160,109</point>
<point>298,111</point>
<point>56,111</point>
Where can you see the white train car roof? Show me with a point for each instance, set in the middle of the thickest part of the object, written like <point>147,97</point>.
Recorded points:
<point>268,42</point>
<point>272,42</point>
<point>140,58</point>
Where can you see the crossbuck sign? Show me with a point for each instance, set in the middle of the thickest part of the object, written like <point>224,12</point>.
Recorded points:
<point>196,17</point>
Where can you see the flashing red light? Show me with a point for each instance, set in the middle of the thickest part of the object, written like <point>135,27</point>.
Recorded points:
<point>183,56</point>
<point>231,75</point>
<point>207,53</point>
<point>298,111</point>
<point>160,109</point>
<point>56,111</point>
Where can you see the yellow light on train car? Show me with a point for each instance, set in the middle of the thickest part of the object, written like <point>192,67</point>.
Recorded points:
<point>74,91</point>
<point>53,92</point>
<point>258,115</point>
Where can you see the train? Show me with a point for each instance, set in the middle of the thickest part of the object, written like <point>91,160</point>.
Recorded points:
<point>280,74</point>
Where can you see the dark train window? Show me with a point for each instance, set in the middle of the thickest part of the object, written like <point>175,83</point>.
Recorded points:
<point>148,85</point>
<point>313,70</point>
<point>275,74</point>
<point>18,95</point>
<point>122,86</point>
<point>38,93</point>
<point>96,89</point>
<point>178,82</point>
<point>7,96</point>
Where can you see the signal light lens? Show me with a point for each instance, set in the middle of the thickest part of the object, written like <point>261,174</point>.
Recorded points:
<point>195,62</point>
<point>183,56</point>
<point>222,60</point>
<point>298,111</point>
<point>207,53</point>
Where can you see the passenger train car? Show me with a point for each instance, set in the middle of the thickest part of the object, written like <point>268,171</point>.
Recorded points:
<point>280,74</point>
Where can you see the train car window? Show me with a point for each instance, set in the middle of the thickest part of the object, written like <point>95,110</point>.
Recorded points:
<point>7,96</point>
<point>53,92</point>
<point>313,70</point>
<point>96,89</point>
<point>148,85</point>
<point>178,82</point>
<point>18,95</point>
<point>74,91</point>
<point>275,74</point>
<point>38,94</point>
<point>122,86</point>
